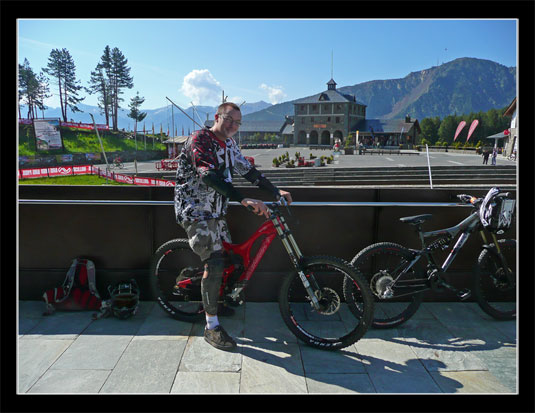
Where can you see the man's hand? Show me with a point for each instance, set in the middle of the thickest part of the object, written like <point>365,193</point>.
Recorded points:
<point>258,206</point>
<point>286,195</point>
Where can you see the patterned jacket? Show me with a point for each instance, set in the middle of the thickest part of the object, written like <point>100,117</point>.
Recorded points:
<point>204,176</point>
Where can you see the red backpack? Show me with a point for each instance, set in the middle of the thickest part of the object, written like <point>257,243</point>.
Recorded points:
<point>78,291</point>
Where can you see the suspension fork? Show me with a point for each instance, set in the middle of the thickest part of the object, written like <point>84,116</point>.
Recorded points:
<point>296,257</point>
<point>497,250</point>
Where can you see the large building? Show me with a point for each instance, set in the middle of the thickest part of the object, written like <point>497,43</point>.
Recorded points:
<point>250,129</point>
<point>331,115</point>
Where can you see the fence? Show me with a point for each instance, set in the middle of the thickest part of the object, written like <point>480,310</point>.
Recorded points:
<point>91,170</point>
<point>119,228</point>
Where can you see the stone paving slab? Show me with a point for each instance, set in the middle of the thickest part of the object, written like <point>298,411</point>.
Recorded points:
<point>146,366</point>
<point>71,381</point>
<point>35,357</point>
<point>339,383</point>
<point>444,348</point>
<point>202,382</point>
<point>469,382</point>
<point>272,368</point>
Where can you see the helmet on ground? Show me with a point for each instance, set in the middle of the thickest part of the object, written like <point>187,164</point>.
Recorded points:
<point>124,297</point>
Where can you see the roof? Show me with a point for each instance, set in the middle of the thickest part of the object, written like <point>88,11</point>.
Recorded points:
<point>288,130</point>
<point>497,136</point>
<point>386,125</point>
<point>331,95</point>
<point>176,139</point>
<point>262,126</point>
<point>511,108</point>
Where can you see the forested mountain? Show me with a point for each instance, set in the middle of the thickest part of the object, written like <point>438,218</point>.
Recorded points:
<point>461,86</point>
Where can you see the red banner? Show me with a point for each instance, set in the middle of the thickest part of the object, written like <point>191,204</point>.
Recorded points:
<point>80,125</point>
<point>459,129</point>
<point>88,169</point>
<point>473,126</point>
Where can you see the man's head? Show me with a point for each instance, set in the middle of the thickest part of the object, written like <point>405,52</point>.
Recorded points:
<point>227,120</point>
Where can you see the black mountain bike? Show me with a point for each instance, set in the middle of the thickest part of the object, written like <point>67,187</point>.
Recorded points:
<point>394,275</point>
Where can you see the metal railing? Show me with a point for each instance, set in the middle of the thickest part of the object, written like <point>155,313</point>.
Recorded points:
<point>294,204</point>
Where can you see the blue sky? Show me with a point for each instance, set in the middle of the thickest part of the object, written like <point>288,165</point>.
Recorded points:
<point>251,60</point>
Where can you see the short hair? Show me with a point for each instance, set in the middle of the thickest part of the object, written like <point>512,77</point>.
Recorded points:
<point>225,105</point>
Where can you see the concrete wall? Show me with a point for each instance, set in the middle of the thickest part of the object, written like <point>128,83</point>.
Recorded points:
<point>121,239</point>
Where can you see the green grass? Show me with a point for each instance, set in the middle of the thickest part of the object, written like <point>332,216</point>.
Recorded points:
<point>70,180</point>
<point>84,141</point>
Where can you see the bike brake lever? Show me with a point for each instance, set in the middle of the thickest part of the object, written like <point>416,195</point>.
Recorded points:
<point>283,202</point>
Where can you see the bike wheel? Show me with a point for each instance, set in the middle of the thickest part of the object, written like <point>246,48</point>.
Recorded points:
<point>173,261</point>
<point>397,299</point>
<point>495,293</point>
<point>334,326</point>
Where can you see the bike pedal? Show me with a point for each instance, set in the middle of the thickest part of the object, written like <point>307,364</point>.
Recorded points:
<point>464,294</point>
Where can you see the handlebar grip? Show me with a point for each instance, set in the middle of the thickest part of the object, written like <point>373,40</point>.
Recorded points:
<point>250,208</point>
<point>464,197</point>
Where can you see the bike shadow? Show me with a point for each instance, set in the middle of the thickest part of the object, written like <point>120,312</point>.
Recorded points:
<point>340,371</point>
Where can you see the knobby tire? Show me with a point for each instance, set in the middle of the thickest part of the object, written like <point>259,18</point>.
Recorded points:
<point>385,257</point>
<point>494,293</point>
<point>335,326</point>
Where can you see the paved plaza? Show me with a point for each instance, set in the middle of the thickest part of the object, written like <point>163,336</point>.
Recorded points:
<point>445,348</point>
<point>408,158</point>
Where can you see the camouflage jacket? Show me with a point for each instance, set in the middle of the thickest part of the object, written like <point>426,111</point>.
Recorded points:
<point>204,156</point>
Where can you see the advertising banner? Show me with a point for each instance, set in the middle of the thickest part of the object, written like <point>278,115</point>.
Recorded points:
<point>60,171</point>
<point>33,173</point>
<point>47,134</point>
<point>125,179</point>
<point>459,129</point>
<point>473,126</point>
<point>80,125</point>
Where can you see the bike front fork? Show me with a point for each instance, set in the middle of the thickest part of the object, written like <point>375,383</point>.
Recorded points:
<point>296,257</point>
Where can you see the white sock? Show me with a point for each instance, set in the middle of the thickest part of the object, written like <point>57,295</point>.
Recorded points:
<point>211,322</point>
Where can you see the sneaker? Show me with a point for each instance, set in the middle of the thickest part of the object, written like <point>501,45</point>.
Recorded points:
<point>219,338</point>
<point>225,311</point>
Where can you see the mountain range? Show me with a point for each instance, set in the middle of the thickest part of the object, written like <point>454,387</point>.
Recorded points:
<point>459,87</point>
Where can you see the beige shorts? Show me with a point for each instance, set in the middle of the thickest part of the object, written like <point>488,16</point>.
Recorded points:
<point>206,237</point>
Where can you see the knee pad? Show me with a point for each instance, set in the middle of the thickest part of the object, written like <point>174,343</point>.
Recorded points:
<point>210,285</point>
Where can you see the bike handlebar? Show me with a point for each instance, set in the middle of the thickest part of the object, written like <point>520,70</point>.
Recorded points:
<point>475,201</point>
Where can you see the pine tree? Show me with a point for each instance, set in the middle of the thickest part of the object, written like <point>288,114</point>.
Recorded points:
<point>61,67</point>
<point>33,90</point>
<point>119,78</point>
<point>135,113</point>
<point>100,83</point>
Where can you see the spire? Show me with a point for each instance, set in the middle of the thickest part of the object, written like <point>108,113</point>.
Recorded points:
<point>331,85</point>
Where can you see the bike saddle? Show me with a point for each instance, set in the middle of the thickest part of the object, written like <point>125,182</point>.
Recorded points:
<point>416,220</point>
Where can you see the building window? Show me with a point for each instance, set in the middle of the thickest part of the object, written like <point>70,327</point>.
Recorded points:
<point>312,119</point>
<point>338,119</point>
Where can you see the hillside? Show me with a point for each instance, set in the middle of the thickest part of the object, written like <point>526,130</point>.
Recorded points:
<point>461,86</point>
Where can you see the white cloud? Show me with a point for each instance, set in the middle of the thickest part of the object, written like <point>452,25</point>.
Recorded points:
<point>275,94</point>
<point>201,87</point>
<point>236,99</point>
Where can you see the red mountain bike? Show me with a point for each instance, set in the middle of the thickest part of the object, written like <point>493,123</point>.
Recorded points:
<point>314,300</point>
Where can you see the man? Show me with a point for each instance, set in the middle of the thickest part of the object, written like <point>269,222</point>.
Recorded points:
<point>206,165</point>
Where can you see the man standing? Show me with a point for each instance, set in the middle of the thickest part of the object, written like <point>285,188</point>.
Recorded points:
<point>206,165</point>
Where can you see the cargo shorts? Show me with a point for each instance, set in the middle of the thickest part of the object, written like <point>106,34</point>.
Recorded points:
<point>206,237</point>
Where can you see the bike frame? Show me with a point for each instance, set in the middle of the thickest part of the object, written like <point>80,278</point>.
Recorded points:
<point>276,225</point>
<point>466,227</point>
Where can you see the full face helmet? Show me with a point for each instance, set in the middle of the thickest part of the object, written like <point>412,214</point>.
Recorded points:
<point>124,297</point>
